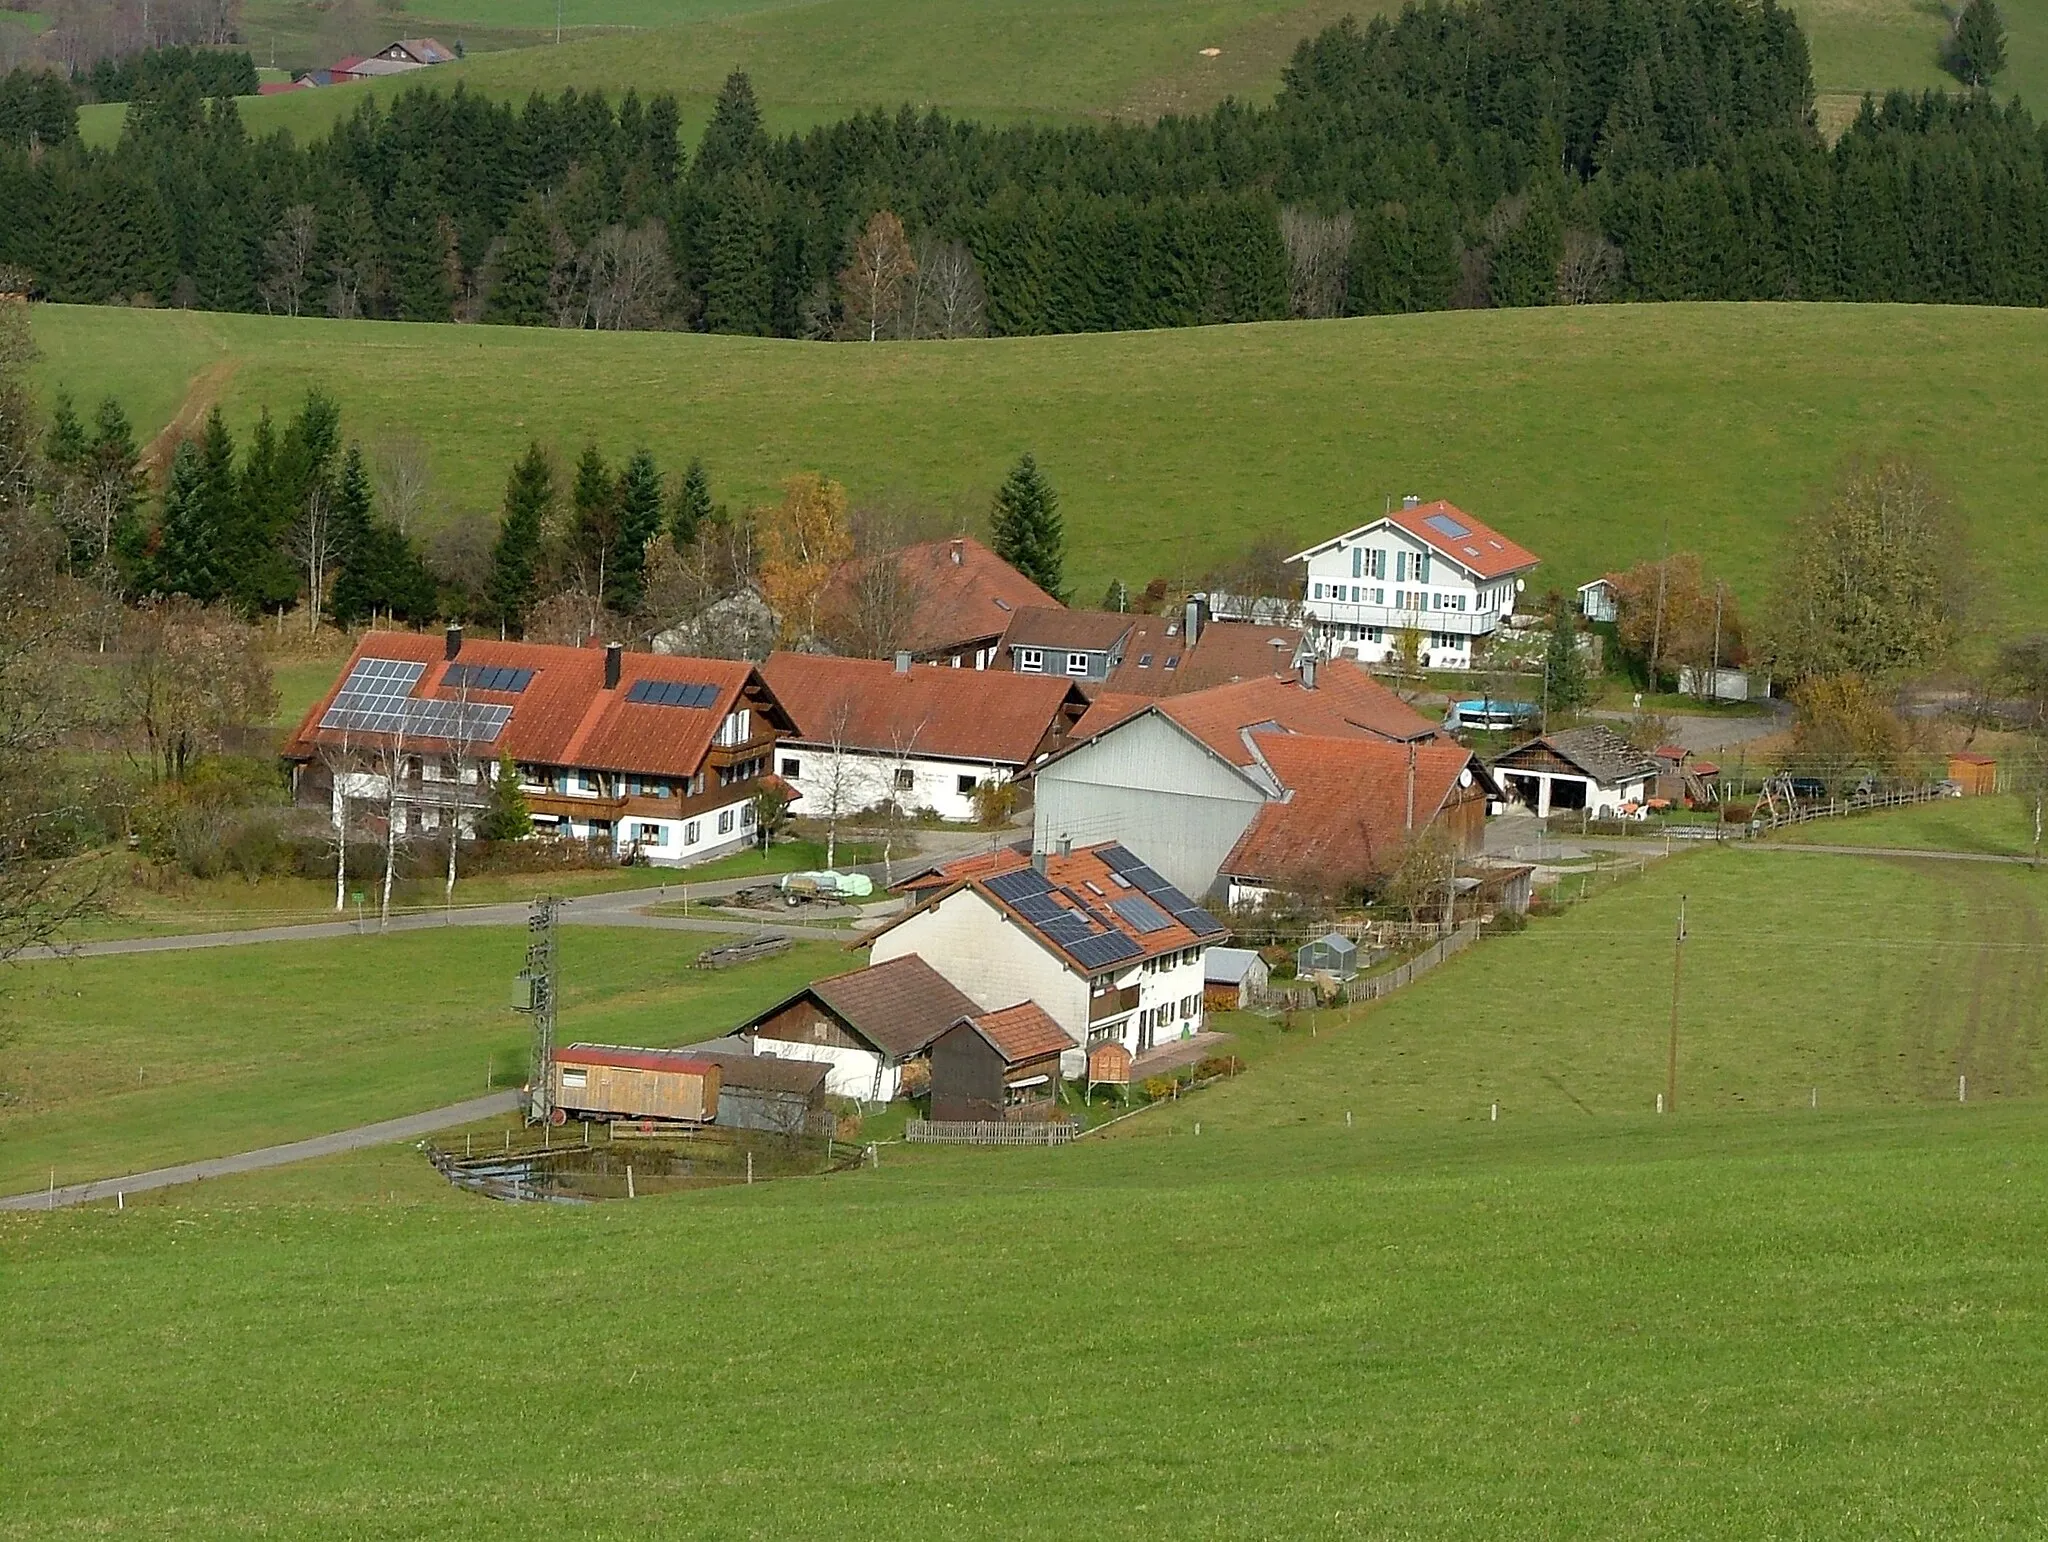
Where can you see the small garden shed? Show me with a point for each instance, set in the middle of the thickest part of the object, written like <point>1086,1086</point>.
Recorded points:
<point>1328,954</point>
<point>1233,979</point>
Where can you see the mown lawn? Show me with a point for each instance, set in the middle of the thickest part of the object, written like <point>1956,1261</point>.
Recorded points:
<point>2002,825</point>
<point>1793,1325</point>
<point>1587,433</point>
<point>117,1064</point>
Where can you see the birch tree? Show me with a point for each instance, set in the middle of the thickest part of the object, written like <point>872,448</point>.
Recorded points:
<point>394,811</point>
<point>342,762</point>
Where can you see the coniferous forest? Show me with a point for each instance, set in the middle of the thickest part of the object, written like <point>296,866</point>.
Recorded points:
<point>1490,152</point>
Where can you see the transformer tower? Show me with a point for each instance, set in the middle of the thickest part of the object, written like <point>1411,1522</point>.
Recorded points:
<point>539,978</point>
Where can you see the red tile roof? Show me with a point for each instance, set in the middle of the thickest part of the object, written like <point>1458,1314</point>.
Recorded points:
<point>1108,709</point>
<point>1345,701</point>
<point>565,716</point>
<point>965,593</point>
<point>971,714</point>
<point>1482,549</point>
<point>1083,884</point>
<point>1024,1032</point>
<point>1345,813</point>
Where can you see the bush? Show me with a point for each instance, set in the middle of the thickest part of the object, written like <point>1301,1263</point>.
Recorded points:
<point>1157,1087</point>
<point>1505,923</point>
<point>1737,813</point>
<point>1218,1065</point>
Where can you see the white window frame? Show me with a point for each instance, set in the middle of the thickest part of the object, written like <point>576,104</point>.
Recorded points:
<point>693,832</point>
<point>725,821</point>
<point>1077,663</point>
<point>1030,661</point>
<point>791,766</point>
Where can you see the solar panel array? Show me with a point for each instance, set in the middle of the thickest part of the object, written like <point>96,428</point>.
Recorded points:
<point>1028,892</point>
<point>1184,910</point>
<point>377,698</point>
<point>486,677</point>
<point>1141,914</point>
<point>672,693</point>
<point>1443,524</point>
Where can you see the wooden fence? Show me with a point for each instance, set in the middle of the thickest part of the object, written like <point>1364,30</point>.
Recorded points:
<point>1375,986</point>
<point>989,1132</point>
<point>1769,817</point>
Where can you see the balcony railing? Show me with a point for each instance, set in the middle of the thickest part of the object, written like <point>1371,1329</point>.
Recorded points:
<point>1474,623</point>
<point>1112,1003</point>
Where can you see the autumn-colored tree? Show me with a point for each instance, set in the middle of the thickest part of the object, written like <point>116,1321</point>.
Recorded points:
<point>802,539</point>
<point>1871,583</point>
<point>1844,728</point>
<point>1673,615</point>
<point>871,287</point>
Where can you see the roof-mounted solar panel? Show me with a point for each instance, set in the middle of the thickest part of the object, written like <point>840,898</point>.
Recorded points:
<point>672,693</point>
<point>1103,950</point>
<point>1015,886</point>
<point>1141,914</point>
<point>1443,524</point>
<point>486,677</point>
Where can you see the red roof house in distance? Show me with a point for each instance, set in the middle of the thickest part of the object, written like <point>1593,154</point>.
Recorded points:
<point>1181,779</point>
<point>649,754</point>
<point>944,602</point>
<point>1430,567</point>
<point>874,731</point>
<point>1348,810</point>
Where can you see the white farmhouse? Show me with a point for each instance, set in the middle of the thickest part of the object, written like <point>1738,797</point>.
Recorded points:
<point>870,733</point>
<point>1426,566</point>
<point>1100,941</point>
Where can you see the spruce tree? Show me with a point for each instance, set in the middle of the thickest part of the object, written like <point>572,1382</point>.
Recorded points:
<point>1976,52</point>
<point>116,472</point>
<point>526,267</point>
<point>733,138</point>
<point>1565,686</point>
<point>739,292</point>
<point>1028,534</point>
<point>692,505</point>
<point>418,247</point>
<point>355,591</point>
<point>65,446</point>
<point>514,582</point>
<point>505,816</point>
<point>639,521</point>
<point>185,548</point>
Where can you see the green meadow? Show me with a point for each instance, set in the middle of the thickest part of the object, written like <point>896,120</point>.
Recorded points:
<point>1238,1316</point>
<point>1596,435</point>
<point>815,61</point>
<point>122,1063</point>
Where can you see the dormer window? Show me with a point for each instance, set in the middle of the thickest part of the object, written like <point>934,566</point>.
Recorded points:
<point>1031,661</point>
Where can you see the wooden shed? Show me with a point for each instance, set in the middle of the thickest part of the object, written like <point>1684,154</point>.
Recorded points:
<point>1109,1065</point>
<point>763,1092</point>
<point>1233,979</point>
<point>1975,774</point>
<point>998,1065</point>
<point>597,1081</point>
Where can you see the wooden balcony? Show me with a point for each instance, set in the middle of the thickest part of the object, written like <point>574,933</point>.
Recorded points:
<point>1112,1003</point>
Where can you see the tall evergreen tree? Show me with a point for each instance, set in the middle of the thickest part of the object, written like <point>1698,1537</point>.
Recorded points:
<point>733,138</point>
<point>692,504</point>
<point>354,591</point>
<point>1026,526</point>
<point>1564,672</point>
<point>187,536</point>
<point>525,268</point>
<point>514,582</point>
<point>594,514</point>
<point>65,445</point>
<point>1976,51</point>
<point>739,284</point>
<point>639,521</point>
<point>418,247</point>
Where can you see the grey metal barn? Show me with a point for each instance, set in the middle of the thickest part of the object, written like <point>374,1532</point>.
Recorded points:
<point>764,1092</point>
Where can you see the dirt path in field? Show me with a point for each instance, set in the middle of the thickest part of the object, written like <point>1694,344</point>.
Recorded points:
<point>384,1133</point>
<point>207,388</point>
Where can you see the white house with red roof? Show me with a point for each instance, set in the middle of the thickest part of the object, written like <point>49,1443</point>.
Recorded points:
<point>650,755</point>
<point>1429,566</point>
<point>1100,940</point>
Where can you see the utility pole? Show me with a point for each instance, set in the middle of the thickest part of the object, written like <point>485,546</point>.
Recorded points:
<point>539,976</point>
<point>1671,1056</point>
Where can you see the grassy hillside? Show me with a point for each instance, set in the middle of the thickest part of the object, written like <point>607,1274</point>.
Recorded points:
<point>817,60</point>
<point>1237,1318</point>
<point>1595,435</point>
<point>117,1064</point>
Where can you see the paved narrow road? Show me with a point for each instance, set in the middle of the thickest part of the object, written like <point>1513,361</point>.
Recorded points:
<point>383,1133</point>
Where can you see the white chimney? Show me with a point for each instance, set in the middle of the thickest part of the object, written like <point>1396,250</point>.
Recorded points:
<point>902,661</point>
<point>1411,501</point>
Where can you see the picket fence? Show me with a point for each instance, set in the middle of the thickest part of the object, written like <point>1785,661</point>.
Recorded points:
<point>989,1132</point>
